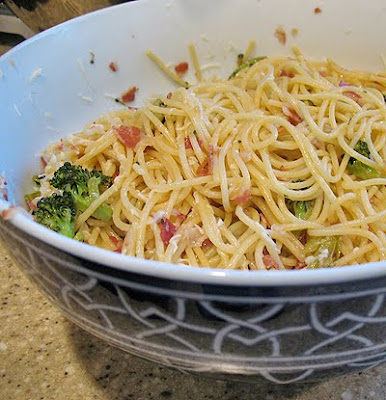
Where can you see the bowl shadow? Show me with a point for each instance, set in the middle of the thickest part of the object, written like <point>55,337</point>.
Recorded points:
<point>122,376</point>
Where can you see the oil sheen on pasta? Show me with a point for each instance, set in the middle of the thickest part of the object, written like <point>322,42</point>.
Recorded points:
<point>259,171</point>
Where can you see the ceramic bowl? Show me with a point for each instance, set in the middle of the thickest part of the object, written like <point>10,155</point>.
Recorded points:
<point>285,326</point>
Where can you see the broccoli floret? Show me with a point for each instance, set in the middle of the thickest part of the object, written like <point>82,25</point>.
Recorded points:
<point>245,65</point>
<point>360,169</point>
<point>84,186</point>
<point>58,213</point>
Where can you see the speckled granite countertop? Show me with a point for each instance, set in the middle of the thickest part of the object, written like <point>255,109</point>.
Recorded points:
<point>43,356</point>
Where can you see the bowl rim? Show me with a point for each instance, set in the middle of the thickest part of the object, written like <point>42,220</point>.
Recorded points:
<point>204,275</point>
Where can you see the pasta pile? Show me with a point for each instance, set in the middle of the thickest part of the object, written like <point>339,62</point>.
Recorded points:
<point>254,172</point>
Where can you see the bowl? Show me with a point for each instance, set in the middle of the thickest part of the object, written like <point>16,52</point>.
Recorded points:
<point>280,326</point>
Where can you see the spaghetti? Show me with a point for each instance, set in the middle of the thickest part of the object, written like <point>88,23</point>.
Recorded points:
<point>256,172</point>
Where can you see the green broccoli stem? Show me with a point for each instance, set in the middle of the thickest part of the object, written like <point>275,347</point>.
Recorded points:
<point>30,196</point>
<point>245,65</point>
<point>322,251</point>
<point>67,227</point>
<point>362,170</point>
<point>104,212</point>
<point>359,168</point>
<point>303,209</point>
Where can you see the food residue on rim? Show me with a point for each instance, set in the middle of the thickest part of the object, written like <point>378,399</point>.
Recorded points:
<point>317,10</point>
<point>86,99</point>
<point>16,108</point>
<point>294,32</point>
<point>92,57</point>
<point>181,68</point>
<point>204,37</point>
<point>281,35</point>
<point>113,66</point>
<point>84,73</point>
<point>129,95</point>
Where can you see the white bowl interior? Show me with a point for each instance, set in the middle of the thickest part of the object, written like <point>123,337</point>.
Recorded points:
<point>49,88</point>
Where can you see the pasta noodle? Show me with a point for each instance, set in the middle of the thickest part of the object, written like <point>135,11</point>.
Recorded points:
<point>254,172</point>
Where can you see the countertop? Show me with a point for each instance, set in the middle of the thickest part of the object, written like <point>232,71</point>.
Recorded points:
<point>43,356</point>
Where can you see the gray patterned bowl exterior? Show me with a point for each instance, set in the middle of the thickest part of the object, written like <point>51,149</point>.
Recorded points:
<point>280,334</point>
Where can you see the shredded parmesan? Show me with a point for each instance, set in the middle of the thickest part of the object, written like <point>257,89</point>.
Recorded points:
<point>16,108</point>
<point>174,242</point>
<point>158,215</point>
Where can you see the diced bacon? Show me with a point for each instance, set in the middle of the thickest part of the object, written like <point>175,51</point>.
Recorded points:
<point>353,95</point>
<point>286,73</point>
<point>118,243</point>
<point>206,243</point>
<point>323,73</point>
<point>292,116</point>
<point>206,168</point>
<point>43,161</point>
<point>169,95</point>
<point>188,143</point>
<point>60,145</point>
<point>129,95</point>
<point>181,68</point>
<point>269,263</point>
<point>128,135</point>
<point>168,230</point>
<point>31,205</point>
<point>113,66</point>
<point>10,212</point>
<point>243,198</point>
<point>178,214</point>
